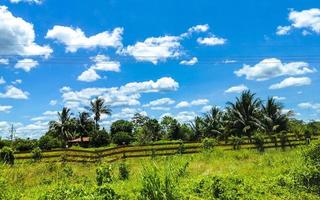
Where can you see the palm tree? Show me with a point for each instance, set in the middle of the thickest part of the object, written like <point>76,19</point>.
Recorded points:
<point>98,107</point>
<point>244,115</point>
<point>62,127</point>
<point>197,127</point>
<point>274,120</point>
<point>212,123</point>
<point>83,124</point>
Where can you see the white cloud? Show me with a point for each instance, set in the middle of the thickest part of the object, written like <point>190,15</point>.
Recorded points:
<point>283,30</point>
<point>89,75</point>
<point>201,28</point>
<point>160,102</point>
<point>155,49</point>
<point>46,116</point>
<point>75,38</point>
<point>306,19</point>
<point>206,108</point>
<point>211,41</point>
<point>185,116</point>
<point>5,109</point>
<point>18,36</point>
<point>291,82</point>
<point>26,64</point>
<point>227,61</point>
<point>18,81</point>
<point>162,108</point>
<point>14,93</point>
<point>126,95</point>
<point>2,81</point>
<point>237,89</point>
<point>198,102</point>
<point>4,61</point>
<point>27,1</point>
<point>273,67</point>
<point>193,61</point>
<point>309,105</point>
<point>53,102</point>
<point>102,63</point>
<point>279,98</point>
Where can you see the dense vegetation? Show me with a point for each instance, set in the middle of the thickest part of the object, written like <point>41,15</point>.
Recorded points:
<point>247,117</point>
<point>213,174</point>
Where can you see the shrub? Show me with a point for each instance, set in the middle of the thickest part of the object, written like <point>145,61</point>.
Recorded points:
<point>24,144</point>
<point>154,187</point>
<point>48,142</point>
<point>121,138</point>
<point>100,138</point>
<point>259,141</point>
<point>65,191</point>
<point>236,142</point>
<point>312,154</point>
<point>121,126</point>
<point>103,175</point>
<point>106,192</point>
<point>181,148</point>
<point>36,154</point>
<point>7,156</point>
<point>123,171</point>
<point>208,143</point>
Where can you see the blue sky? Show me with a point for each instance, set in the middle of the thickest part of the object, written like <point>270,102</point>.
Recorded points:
<point>155,57</point>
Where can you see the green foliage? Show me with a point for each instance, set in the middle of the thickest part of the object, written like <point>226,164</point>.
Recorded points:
<point>121,126</point>
<point>209,143</point>
<point>36,154</point>
<point>181,148</point>
<point>65,191</point>
<point>48,142</point>
<point>7,156</point>
<point>100,138</point>
<point>103,175</point>
<point>106,192</point>
<point>236,142</point>
<point>312,154</point>
<point>123,171</point>
<point>122,138</point>
<point>259,138</point>
<point>24,144</point>
<point>157,187</point>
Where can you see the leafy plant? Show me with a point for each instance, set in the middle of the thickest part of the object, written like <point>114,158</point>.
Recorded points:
<point>209,143</point>
<point>7,156</point>
<point>36,154</point>
<point>103,174</point>
<point>123,171</point>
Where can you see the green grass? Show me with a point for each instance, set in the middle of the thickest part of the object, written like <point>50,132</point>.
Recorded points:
<point>260,175</point>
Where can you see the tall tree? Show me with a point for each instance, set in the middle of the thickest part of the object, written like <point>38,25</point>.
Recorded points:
<point>63,126</point>
<point>84,124</point>
<point>244,115</point>
<point>98,107</point>
<point>212,122</point>
<point>197,127</point>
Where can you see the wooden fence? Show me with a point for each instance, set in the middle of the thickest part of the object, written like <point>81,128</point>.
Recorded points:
<point>147,150</point>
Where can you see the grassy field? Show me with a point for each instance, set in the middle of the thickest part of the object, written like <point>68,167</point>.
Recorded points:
<point>244,174</point>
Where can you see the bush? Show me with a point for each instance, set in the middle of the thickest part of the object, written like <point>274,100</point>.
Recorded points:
<point>312,154</point>
<point>123,171</point>
<point>36,154</point>
<point>25,144</point>
<point>181,148</point>
<point>208,143</point>
<point>259,141</point>
<point>100,138</point>
<point>106,192</point>
<point>236,142</point>
<point>155,187</point>
<point>121,126</point>
<point>7,156</point>
<point>103,175</point>
<point>48,142</point>
<point>121,138</point>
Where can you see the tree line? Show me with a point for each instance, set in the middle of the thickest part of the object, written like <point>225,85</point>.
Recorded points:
<point>247,117</point>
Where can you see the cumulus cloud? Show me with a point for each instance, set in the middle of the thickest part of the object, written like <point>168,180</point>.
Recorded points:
<point>201,28</point>
<point>211,41</point>
<point>237,89</point>
<point>4,61</point>
<point>18,81</point>
<point>193,61</point>
<point>46,116</point>
<point>273,67</point>
<point>101,63</point>
<point>159,102</point>
<point>291,82</point>
<point>198,102</point>
<point>155,49</point>
<point>14,93</point>
<point>185,116</point>
<point>26,64</point>
<point>283,30</point>
<point>310,105</point>
<point>75,38</point>
<point>279,98</point>
<point>89,75</point>
<point>53,102</point>
<point>5,109</point>
<point>307,20</point>
<point>206,108</point>
<point>18,36</point>
<point>126,95</point>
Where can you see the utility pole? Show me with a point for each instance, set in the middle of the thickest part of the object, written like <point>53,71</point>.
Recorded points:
<point>12,133</point>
